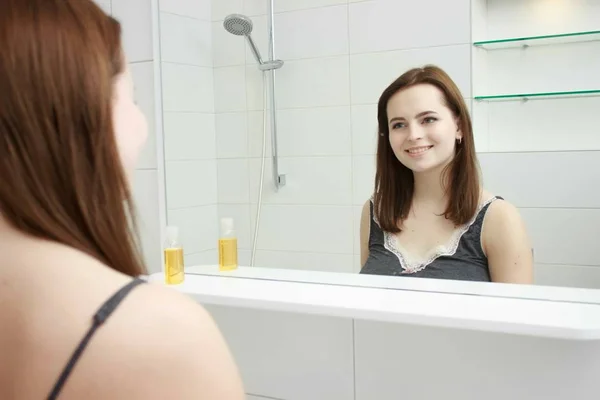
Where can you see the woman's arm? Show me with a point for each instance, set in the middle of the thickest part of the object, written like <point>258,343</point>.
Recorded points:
<point>507,245</point>
<point>365,229</point>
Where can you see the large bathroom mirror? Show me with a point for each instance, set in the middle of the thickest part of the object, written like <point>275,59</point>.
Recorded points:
<point>269,112</point>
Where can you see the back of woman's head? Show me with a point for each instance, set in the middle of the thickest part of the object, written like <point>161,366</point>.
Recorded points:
<point>61,172</point>
<point>394,182</point>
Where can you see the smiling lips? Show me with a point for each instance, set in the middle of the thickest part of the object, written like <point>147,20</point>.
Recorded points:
<point>417,151</point>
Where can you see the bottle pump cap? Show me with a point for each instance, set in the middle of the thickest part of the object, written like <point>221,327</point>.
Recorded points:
<point>172,233</point>
<point>226,226</point>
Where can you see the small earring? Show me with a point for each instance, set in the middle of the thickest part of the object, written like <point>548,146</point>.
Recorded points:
<point>459,140</point>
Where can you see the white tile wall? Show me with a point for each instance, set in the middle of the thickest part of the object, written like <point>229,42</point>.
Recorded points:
<point>516,71</point>
<point>136,18</point>
<point>577,276</point>
<point>317,82</point>
<point>316,229</point>
<point>545,179</point>
<point>255,96</point>
<point>256,133</point>
<point>363,175</point>
<point>229,49</point>
<point>259,7</point>
<point>371,73</point>
<point>565,236</point>
<point>222,8</point>
<point>540,17</point>
<point>322,131</point>
<point>327,36</point>
<point>146,196</point>
<point>186,40</point>
<point>545,132</point>
<point>255,7</point>
<point>208,257</point>
<point>392,25</point>
<point>232,135</point>
<point>198,9</point>
<point>229,89</point>
<point>312,180</point>
<point>187,88</point>
<point>191,183</point>
<point>233,181</point>
<point>190,131</point>
<point>364,129</point>
<point>189,136</point>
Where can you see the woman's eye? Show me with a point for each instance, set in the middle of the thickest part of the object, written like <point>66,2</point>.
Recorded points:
<point>429,120</point>
<point>398,125</point>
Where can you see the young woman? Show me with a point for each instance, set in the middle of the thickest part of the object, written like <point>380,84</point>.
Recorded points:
<point>429,216</point>
<point>76,321</point>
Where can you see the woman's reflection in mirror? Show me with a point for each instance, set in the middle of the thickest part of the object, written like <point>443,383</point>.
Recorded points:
<point>429,215</point>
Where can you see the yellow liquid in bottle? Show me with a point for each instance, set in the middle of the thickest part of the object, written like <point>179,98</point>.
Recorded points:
<point>174,273</point>
<point>228,256</point>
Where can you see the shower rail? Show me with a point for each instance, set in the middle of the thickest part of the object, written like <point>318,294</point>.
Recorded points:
<point>272,65</point>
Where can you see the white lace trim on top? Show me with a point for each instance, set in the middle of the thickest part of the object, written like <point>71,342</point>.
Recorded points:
<point>410,266</point>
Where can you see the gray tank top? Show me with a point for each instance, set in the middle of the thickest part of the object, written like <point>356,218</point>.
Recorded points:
<point>461,259</point>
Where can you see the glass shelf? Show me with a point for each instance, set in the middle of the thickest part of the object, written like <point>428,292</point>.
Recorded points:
<point>561,38</point>
<point>528,96</point>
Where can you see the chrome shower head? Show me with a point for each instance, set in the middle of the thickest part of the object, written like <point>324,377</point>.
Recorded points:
<point>241,25</point>
<point>238,24</point>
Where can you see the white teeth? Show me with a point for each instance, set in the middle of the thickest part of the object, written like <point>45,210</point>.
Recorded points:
<point>418,150</point>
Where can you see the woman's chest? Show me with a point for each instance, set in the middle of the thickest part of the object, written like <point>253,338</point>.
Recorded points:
<point>422,237</point>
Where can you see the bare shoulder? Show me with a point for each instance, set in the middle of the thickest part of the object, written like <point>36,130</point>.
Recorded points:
<point>507,244</point>
<point>159,344</point>
<point>365,231</point>
<point>500,211</point>
<point>365,221</point>
<point>365,218</point>
<point>502,214</point>
<point>366,210</point>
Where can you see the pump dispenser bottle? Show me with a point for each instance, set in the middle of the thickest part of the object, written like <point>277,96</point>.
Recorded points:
<point>228,251</point>
<point>173,251</point>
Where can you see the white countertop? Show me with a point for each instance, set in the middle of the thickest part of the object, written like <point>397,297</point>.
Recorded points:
<point>530,310</point>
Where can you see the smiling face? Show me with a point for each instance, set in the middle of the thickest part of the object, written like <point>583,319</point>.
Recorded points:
<point>422,129</point>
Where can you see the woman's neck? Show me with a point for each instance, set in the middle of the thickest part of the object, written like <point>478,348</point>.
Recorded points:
<point>429,190</point>
<point>7,230</point>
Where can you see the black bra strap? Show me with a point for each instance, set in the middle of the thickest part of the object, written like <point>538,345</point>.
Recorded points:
<point>99,318</point>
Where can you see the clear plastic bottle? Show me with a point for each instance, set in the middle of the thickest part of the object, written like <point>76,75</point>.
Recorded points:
<point>173,251</point>
<point>228,250</point>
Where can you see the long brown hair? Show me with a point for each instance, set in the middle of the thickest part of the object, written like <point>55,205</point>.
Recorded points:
<point>394,183</point>
<point>61,177</point>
